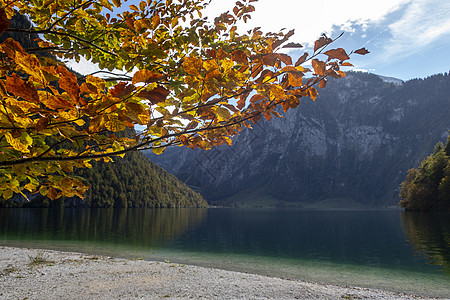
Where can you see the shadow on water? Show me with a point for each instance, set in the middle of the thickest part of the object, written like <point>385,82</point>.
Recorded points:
<point>429,234</point>
<point>142,228</point>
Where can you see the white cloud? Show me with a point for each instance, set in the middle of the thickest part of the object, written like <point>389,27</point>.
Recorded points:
<point>422,23</point>
<point>311,19</point>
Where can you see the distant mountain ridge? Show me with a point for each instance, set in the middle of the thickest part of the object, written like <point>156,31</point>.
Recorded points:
<point>356,142</point>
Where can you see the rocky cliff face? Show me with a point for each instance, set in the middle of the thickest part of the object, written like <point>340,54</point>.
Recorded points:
<point>356,141</point>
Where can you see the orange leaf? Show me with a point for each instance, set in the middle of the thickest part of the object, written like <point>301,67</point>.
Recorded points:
<point>346,64</point>
<point>146,76</point>
<point>192,65</point>
<point>54,102</point>
<point>338,53</point>
<point>319,67</point>
<point>68,82</point>
<point>295,79</point>
<point>10,46</point>
<point>312,93</point>
<point>52,193</point>
<point>20,88</point>
<point>30,64</point>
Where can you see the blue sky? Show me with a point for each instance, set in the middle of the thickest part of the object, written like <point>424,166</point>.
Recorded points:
<point>407,38</point>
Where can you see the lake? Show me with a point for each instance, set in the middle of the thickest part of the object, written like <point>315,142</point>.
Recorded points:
<point>387,249</point>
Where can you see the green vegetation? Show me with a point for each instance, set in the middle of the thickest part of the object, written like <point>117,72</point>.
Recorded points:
<point>428,187</point>
<point>134,181</point>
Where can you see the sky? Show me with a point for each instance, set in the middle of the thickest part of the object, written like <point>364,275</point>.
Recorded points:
<point>406,38</point>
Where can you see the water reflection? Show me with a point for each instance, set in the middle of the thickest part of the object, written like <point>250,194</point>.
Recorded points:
<point>145,228</point>
<point>429,233</point>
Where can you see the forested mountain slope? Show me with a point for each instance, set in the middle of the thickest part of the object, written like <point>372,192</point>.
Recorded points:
<point>356,141</point>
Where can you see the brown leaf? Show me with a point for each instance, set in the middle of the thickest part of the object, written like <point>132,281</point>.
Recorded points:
<point>321,42</point>
<point>4,22</point>
<point>122,89</point>
<point>130,23</point>
<point>301,60</point>
<point>146,76</point>
<point>52,193</point>
<point>42,123</point>
<point>239,56</point>
<point>158,94</point>
<point>285,58</point>
<point>338,53</point>
<point>293,45</point>
<point>362,51</point>
<point>256,98</point>
<point>211,53</point>
<point>20,88</point>
<point>270,59</point>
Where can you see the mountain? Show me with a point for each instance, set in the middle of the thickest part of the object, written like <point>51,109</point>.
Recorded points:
<point>353,145</point>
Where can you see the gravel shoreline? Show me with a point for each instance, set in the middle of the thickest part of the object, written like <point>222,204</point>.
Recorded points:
<point>46,274</point>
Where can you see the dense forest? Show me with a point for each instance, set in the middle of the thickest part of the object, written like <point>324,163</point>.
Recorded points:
<point>132,181</point>
<point>428,186</point>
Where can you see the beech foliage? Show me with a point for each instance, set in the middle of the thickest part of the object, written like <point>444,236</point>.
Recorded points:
<point>185,79</point>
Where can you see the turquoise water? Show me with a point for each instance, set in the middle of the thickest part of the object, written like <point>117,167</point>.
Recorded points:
<point>388,249</point>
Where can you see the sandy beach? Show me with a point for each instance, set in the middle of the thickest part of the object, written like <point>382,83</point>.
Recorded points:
<point>45,274</point>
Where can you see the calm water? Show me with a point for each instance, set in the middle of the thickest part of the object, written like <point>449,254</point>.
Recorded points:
<point>386,249</point>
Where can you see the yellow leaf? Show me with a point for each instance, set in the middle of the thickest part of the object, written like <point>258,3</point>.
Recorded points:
<point>7,194</point>
<point>114,124</point>
<point>223,114</point>
<point>80,122</point>
<point>18,144</point>
<point>159,151</point>
<point>97,82</point>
